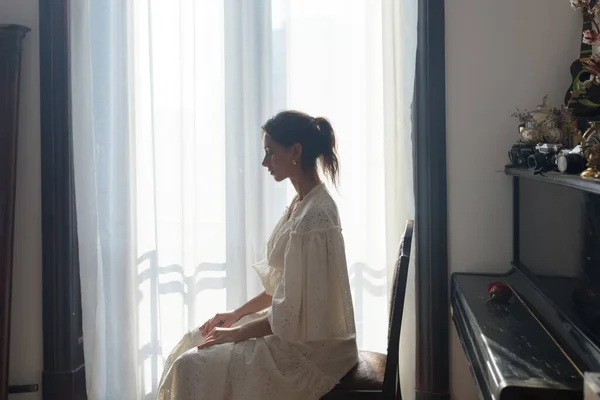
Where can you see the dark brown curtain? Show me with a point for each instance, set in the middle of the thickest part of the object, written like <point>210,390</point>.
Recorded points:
<point>11,42</point>
<point>432,364</point>
<point>64,375</point>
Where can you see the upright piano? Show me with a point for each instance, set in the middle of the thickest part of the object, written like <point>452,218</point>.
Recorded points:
<point>539,343</point>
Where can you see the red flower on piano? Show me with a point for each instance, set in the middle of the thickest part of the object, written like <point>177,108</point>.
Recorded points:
<point>500,292</point>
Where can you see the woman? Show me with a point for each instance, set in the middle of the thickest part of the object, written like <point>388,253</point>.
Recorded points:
<point>295,340</point>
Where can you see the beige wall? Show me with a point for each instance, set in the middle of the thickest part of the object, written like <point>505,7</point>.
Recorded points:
<point>499,55</point>
<point>26,336</point>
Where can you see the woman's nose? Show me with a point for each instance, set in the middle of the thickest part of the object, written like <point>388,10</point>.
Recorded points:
<point>264,162</point>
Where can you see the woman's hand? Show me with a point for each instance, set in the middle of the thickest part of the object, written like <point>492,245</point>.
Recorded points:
<point>254,329</point>
<point>222,320</point>
<point>220,336</point>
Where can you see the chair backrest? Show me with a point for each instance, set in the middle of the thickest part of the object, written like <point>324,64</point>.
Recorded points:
<point>391,381</point>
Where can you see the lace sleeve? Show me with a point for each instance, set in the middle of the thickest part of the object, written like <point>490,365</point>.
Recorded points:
<point>313,302</point>
<point>269,276</point>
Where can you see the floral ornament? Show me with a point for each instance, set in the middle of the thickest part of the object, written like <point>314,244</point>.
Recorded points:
<point>580,4</point>
<point>593,11</point>
<point>590,9</point>
<point>593,66</point>
<point>593,80</point>
<point>591,37</point>
<point>499,292</point>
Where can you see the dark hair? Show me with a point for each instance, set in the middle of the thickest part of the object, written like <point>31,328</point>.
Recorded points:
<point>314,134</point>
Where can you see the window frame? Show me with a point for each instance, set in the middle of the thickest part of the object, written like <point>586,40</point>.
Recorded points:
<point>64,373</point>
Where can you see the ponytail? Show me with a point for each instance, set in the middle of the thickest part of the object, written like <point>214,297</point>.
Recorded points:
<point>328,150</point>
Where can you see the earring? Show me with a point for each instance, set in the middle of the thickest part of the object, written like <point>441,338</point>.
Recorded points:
<point>294,162</point>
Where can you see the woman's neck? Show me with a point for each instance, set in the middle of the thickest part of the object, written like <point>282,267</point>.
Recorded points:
<point>305,183</point>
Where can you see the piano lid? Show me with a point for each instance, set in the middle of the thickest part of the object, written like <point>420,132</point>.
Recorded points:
<point>510,352</point>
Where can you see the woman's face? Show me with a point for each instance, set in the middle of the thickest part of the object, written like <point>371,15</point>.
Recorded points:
<point>279,160</point>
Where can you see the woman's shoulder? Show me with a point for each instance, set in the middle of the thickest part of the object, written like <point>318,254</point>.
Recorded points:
<point>318,214</point>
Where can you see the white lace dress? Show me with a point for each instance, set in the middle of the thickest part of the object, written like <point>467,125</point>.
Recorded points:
<point>313,343</point>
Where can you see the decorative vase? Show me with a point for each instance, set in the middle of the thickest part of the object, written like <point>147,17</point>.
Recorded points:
<point>542,126</point>
<point>546,122</point>
<point>553,134</point>
<point>529,134</point>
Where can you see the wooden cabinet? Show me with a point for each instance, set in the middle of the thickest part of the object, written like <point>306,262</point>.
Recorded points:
<point>11,40</point>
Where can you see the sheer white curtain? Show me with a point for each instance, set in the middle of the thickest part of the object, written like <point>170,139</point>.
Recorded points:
<point>172,204</point>
<point>399,62</point>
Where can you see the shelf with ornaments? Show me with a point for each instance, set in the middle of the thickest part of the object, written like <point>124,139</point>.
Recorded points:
<point>569,180</point>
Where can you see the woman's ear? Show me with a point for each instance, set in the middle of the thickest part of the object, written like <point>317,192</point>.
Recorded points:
<point>297,152</point>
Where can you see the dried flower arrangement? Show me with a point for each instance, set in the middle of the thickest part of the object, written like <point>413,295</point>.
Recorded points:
<point>523,116</point>
<point>565,122</point>
<point>563,117</point>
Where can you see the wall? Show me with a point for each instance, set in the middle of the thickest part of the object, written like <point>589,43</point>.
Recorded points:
<point>499,55</point>
<point>26,336</point>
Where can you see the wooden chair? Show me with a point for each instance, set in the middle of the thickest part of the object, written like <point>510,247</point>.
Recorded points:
<point>376,375</point>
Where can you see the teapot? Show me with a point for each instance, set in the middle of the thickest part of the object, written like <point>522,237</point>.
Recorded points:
<point>541,126</point>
